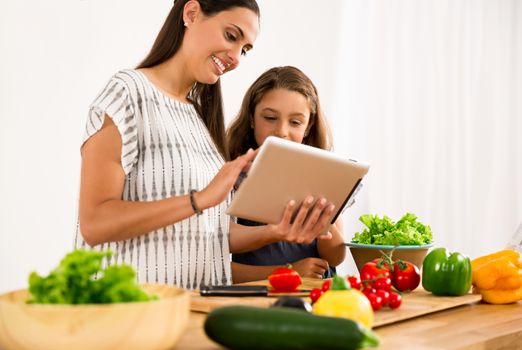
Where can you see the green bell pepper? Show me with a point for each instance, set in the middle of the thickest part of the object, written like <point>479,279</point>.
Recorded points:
<point>445,273</point>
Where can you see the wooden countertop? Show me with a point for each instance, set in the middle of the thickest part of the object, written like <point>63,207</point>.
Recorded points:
<point>471,326</point>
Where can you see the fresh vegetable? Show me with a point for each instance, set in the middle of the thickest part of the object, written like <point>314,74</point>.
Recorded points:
<point>445,273</point>
<point>374,269</point>
<point>285,279</point>
<point>354,281</point>
<point>293,302</point>
<point>395,300</point>
<point>407,231</point>
<point>376,289</point>
<point>405,276</point>
<point>315,294</point>
<point>243,327</point>
<point>326,285</point>
<point>79,279</point>
<point>498,277</point>
<point>375,299</point>
<point>339,283</point>
<point>351,304</point>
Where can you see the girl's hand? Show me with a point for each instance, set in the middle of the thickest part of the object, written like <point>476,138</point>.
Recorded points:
<point>221,185</point>
<point>311,267</point>
<point>311,220</point>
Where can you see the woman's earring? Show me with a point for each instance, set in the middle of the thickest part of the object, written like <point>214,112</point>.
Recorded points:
<point>185,24</point>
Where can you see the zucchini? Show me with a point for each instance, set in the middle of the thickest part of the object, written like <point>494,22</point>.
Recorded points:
<point>244,327</point>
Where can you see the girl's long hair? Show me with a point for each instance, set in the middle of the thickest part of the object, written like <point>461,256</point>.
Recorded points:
<point>206,98</point>
<point>240,134</point>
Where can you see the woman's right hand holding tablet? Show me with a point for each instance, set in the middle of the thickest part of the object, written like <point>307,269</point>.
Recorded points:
<point>309,223</point>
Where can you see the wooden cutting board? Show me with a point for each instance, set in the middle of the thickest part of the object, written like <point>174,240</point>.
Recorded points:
<point>414,304</point>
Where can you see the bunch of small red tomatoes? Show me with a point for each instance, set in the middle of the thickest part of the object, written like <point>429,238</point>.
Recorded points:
<point>382,280</point>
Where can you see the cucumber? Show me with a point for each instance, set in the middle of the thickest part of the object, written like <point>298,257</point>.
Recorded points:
<point>244,327</point>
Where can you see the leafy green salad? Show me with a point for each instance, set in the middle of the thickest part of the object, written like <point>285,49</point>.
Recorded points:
<point>79,279</point>
<point>383,231</point>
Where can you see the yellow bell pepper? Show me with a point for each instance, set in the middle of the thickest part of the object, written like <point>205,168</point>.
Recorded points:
<point>506,253</point>
<point>498,277</point>
<point>508,296</point>
<point>351,304</point>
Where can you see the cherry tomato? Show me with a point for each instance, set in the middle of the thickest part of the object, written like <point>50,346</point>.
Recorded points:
<point>354,281</point>
<point>284,279</point>
<point>384,283</point>
<point>385,296</point>
<point>369,290</point>
<point>371,270</point>
<point>405,276</point>
<point>395,300</point>
<point>375,301</point>
<point>316,294</point>
<point>326,285</point>
<point>382,262</point>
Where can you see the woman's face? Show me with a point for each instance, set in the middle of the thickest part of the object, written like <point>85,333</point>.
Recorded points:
<point>282,113</point>
<point>215,44</point>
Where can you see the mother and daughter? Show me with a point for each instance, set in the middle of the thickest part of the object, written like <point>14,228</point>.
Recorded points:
<point>158,166</point>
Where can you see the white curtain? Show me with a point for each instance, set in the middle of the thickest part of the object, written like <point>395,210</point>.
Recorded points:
<point>431,91</point>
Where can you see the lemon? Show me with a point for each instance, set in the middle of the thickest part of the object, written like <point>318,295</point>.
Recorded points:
<point>351,304</point>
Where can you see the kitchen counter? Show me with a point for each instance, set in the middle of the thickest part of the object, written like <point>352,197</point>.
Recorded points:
<point>478,326</point>
<point>471,326</point>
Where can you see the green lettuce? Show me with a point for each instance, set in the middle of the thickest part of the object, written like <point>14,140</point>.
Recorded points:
<point>383,231</point>
<point>79,279</point>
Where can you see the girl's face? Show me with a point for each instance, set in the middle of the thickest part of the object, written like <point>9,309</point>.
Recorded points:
<point>282,113</point>
<point>215,44</point>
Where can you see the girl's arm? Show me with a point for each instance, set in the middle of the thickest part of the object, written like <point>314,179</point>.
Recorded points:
<point>310,221</point>
<point>333,250</point>
<point>105,217</point>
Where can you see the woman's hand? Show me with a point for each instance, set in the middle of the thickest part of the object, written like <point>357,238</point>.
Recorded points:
<point>311,267</point>
<point>219,188</point>
<point>309,223</point>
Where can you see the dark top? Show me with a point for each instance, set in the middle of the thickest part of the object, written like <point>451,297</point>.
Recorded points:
<point>279,253</point>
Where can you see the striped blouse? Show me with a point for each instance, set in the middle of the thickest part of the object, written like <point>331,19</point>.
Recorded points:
<point>166,151</point>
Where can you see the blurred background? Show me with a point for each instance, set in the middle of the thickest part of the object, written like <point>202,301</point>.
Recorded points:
<point>429,92</point>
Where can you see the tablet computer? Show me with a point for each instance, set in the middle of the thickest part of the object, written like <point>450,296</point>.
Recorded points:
<point>285,170</point>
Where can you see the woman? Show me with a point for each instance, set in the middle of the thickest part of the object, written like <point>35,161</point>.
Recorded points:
<point>283,102</point>
<point>154,184</point>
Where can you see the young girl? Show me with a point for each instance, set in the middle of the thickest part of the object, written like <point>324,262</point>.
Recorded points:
<point>154,183</point>
<point>283,102</point>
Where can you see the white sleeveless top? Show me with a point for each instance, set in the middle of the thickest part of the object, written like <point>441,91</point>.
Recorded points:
<point>166,151</point>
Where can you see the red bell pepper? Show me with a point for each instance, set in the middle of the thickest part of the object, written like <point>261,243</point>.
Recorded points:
<point>284,279</point>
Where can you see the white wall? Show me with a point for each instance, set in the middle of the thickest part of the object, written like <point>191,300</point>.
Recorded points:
<point>56,56</point>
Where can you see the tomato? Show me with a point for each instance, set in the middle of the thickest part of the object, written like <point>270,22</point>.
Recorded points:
<point>375,301</point>
<point>384,283</point>
<point>405,276</point>
<point>284,279</point>
<point>385,296</point>
<point>395,300</point>
<point>372,270</point>
<point>315,294</point>
<point>383,262</point>
<point>354,281</point>
<point>326,285</point>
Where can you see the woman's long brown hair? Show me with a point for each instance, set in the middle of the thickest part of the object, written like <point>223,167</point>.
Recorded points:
<point>240,135</point>
<point>206,98</point>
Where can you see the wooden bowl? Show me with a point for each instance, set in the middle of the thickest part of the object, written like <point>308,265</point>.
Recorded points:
<point>154,324</point>
<point>362,253</point>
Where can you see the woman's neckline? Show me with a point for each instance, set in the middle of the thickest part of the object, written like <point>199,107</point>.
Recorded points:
<point>161,91</point>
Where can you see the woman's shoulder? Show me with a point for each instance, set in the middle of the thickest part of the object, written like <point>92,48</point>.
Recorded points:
<point>127,77</point>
